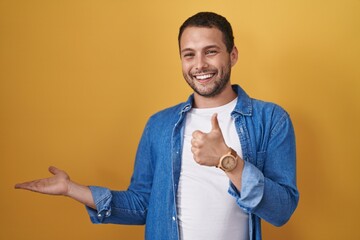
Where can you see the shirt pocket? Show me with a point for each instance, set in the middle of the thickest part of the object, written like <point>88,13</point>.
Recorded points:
<point>260,160</point>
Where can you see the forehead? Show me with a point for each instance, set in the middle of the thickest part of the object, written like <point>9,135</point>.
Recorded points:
<point>201,37</point>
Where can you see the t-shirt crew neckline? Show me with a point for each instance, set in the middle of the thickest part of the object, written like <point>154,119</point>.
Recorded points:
<point>228,106</point>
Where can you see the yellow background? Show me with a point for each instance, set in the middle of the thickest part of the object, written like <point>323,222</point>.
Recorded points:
<point>78,80</point>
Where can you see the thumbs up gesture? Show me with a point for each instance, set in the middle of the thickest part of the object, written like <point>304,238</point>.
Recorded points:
<point>208,148</point>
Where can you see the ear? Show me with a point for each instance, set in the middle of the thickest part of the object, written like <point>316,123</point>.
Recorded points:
<point>234,56</point>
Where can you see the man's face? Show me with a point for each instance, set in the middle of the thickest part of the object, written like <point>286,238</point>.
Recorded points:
<point>206,64</point>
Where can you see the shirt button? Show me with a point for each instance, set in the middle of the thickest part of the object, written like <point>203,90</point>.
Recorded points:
<point>99,215</point>
<point>173,218</point>
<point>108,213</point>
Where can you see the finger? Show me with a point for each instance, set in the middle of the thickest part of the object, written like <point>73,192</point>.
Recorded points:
<point>18,185</point>
<point>196,159</point>
<point>193,142</point>
<point>215,122</point>
<point>196,143</point>
<point>25,184</point>
<point>194,150</point>
<point>197,134</point>
<point>32,185</point>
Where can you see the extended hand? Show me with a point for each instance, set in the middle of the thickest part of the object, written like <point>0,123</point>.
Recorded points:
<point>207,148</point>
<point>55,185</point>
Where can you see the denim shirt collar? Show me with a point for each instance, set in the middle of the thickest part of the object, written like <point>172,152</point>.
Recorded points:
<point>243,105</point>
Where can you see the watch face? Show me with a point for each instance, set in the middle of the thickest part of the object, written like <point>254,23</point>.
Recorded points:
<point>228,163</point>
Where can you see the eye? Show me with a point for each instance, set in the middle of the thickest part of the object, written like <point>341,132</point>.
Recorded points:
<point>188,55</point>
<point>211,52</point>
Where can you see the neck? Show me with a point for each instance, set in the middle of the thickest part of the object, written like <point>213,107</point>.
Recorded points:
<point>226,96</point>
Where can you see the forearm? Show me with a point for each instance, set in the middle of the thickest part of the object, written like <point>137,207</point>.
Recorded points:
<point>270,200</point>
<point>278,202</point>
<point>81,194</point>
<point>235,175</point>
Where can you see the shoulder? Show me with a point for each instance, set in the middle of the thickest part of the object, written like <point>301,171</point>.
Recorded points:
<point>166,117</point>
<point>271,115</point>
<point>268,108</point>
<point>252,107</point>
<point>168,113</point>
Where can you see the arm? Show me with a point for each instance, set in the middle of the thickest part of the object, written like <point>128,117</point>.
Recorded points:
<point>209,147</point>
<point>270,192</point>
<point>104,205</point>
<point>60,184</point>
<point>130,206</point>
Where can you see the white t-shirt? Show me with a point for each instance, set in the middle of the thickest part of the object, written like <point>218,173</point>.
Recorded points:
<point>205,208</point>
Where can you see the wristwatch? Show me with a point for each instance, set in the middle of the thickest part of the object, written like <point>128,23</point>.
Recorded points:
<point>229,161</point>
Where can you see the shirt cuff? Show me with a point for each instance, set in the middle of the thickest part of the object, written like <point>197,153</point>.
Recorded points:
<point>102,199</point>
<point>252,188</point>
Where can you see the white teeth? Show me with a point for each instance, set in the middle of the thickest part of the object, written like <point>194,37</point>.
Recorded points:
<point>202,77</point>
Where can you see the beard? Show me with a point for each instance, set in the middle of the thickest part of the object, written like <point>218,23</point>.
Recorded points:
<point>212,89</point>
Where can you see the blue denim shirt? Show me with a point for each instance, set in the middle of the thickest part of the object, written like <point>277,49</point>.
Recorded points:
<point>268,191</point>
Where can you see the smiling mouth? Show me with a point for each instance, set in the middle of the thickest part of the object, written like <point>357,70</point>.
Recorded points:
<point>204,77</point>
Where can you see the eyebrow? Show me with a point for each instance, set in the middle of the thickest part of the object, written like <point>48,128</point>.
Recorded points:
<point>207,47</point>
<point>187,49</point>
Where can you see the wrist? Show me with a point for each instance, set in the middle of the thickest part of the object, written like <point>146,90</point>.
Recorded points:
<point>80,193</point>
<point>229,161</point>
<point>69,190</point>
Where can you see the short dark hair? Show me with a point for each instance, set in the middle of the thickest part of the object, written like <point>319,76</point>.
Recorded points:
<point>210,20</point>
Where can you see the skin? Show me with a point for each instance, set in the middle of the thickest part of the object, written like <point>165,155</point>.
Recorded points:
<point>60,184</point>
<point>203,53</point>
<point>206,67</point>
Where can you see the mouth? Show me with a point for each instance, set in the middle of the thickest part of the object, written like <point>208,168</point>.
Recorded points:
<point>205,77</point>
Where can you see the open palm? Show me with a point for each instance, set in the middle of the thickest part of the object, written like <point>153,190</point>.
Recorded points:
<point>58,184</point>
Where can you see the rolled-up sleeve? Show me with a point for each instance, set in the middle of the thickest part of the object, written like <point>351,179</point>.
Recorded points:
<point>269,190</point>
<point>102,198</point>
<point>252,188</point>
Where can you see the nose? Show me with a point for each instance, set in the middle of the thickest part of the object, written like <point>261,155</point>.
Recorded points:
<point>201,62</point>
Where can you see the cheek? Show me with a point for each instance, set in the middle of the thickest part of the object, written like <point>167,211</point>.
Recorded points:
<point>185,67</point>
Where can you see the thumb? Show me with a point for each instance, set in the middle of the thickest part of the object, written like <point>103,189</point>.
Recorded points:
<point>54,170</point>
<point>215,123</point>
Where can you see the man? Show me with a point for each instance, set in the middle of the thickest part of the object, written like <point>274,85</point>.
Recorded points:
<point>208,168</point>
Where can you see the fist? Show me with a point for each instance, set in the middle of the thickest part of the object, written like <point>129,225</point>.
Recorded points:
<point>207,148</point>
